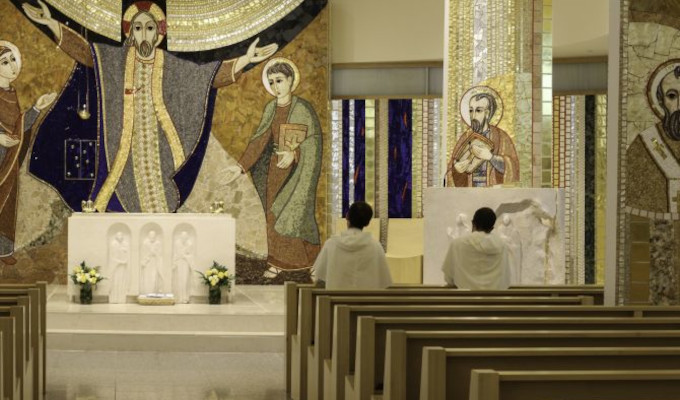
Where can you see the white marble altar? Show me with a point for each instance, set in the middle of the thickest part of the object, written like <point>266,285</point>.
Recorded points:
<point>531,220</point>
<point>150,253</point>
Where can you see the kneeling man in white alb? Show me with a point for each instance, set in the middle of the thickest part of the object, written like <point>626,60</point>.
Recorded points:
<point>353,260</point>
<point>479,260</point>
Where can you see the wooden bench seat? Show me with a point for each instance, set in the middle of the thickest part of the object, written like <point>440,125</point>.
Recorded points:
<point>37,293</point>
<point>12,322</point>
<point>323,329</point>
<point>300,299</point>
<point>29,341</point>
<point>574,385</point>
<point>446,372</point>
<point>345,329</point>
<point>312,302</point>
<point>35,348</point>
<point>404,349</point>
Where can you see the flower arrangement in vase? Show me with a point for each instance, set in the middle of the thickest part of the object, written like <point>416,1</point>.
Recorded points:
<point>216,278</point>
<point>87,278</point>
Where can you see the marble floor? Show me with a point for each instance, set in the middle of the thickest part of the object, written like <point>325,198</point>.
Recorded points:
<point>104,375</point>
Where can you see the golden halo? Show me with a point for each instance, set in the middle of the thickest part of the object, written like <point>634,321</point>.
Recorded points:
<point>465,104</point>
<point>282,60</point>
<point>14,49</point>
<point>654,82</point>
<point>154,10</point>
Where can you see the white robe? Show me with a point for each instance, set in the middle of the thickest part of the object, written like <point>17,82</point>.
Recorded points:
<point>477,261</point>
<point>353,260</point>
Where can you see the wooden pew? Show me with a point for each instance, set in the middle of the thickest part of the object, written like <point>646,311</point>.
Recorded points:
<point>446,372</point>
<point>2,354</point>
<point>574,385</point>
<point>42,328</point>
<point>290,300</point>
<point>305,320</point>
<point>345,327</point>
<point>12,320</point>
<point>404,349</point>
<point>34,350</point>
<point>28,343</point>
<point>321,348</point>
<point>300,299</point>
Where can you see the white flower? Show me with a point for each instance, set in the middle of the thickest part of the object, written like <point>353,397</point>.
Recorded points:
<point>214,271</point>
<point>93,280</point>
<point>208,272</point>
<point>93,272</point>
<point>77,270</point>
<point>221,275</point>
<point>82,278</point>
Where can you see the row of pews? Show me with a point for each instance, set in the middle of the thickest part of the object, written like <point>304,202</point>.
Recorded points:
<point>434,343</point>
<point>23,318</point>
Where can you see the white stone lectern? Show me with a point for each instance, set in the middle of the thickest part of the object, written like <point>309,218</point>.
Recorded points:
<point>150,253</point>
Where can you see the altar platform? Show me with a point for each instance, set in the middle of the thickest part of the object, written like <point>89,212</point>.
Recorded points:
<point>252,321</point>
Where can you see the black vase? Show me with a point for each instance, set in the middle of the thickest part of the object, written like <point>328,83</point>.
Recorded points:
<point>215,295</point>
<point>86,294</point>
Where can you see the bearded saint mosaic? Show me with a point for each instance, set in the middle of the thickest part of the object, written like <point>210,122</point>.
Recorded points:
<point>485,154</point>
<point>654,154</point>
<point>15,127</point>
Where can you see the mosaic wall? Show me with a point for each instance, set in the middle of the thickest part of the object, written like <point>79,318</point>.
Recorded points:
<point>579,161</point>
<point>498,98</point>
<point>649,147</point>
<point>215,115</point>
<point>392,143</point>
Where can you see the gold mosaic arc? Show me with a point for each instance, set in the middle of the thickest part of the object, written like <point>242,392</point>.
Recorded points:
<point>193,25</point>
<point>101,16</point>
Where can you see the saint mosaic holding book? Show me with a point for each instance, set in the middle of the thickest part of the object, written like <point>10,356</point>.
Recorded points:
<point>484,155</point>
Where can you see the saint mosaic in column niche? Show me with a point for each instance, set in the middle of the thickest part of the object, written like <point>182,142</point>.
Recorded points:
<point>649,143</point>
<point>485,154</point>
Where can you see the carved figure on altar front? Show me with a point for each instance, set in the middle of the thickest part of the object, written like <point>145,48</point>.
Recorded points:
<point>463,226</point>
<point>153,111</point>
<point>484,155</point>
<point>118,262</point>
<point>183,262</point>
<point>15,127</point>
<point>513,242</point>
<point>151,276</point>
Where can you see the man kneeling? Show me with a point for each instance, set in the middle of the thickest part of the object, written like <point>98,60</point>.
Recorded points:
<point>479,260</point>
<point>353,260</point>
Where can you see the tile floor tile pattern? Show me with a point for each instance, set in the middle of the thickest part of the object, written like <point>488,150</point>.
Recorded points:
<point>103,375</point>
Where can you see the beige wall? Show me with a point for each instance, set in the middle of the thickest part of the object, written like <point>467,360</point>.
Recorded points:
<point>386,30</point>
<point>413,30</point>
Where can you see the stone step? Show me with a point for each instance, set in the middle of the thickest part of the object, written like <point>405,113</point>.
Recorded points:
<point>191,321</point>
<point>176,341</point>
<point>252,321</point>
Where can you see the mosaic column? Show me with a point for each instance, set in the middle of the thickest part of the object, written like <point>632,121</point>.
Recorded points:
<point>648,246</point>
<point>500,49</point>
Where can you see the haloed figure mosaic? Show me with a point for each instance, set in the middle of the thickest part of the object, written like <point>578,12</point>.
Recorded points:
<point>284,158</point>
<point>15,126</point>
<point>152,135</point>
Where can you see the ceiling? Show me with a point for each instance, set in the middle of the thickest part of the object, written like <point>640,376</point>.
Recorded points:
<point>580,28</point>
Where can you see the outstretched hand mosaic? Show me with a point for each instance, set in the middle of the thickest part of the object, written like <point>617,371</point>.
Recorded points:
<point>156,124</point>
